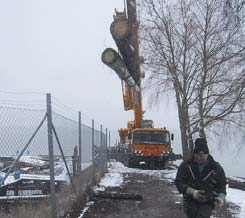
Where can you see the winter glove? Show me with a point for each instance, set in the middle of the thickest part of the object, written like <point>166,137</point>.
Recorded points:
<point>219,201</point>
<point>198,195</point>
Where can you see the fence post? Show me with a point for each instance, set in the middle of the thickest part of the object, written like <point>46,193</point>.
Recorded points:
<point>106,150</point>
<point>80,144</point>
<point>109,148</point>
<point>51,156</point>
<point>101,150</point>
<point>93,151</point>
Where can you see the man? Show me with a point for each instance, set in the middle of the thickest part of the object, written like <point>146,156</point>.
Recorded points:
<point>202,182</point>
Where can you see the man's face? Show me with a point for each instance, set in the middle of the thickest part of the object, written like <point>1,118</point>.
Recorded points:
<point>200,158</point>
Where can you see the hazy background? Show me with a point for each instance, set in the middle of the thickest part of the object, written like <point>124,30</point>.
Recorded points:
<point>55,46</point>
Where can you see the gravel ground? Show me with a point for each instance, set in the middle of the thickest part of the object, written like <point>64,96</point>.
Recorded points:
<point>160,199</point>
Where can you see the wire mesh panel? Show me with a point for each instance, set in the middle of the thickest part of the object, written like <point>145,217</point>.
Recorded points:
<point>105,151</point>
<point>26,164</point>
<point>99,156</point>
<point>16,128</point>
<point>86,147</point>
<point>67,131</point>
<point>97,135</point>
<point>23,142</point>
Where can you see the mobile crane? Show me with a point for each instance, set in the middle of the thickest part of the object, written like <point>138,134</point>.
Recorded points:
<point>143,142</point>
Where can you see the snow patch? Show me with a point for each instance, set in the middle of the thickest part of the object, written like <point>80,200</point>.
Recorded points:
<point>237,197</point>
<point>37,161</point>
<point>238,179</point>
<point>86,208</point>
<point>113,179</point>
<point>169,175</point>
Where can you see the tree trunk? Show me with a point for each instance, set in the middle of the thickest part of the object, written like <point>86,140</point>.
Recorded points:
<point>183,129</point>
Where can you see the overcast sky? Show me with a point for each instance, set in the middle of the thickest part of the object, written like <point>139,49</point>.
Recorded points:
<point>55,46</point>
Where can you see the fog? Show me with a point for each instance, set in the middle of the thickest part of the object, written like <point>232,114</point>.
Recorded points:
<point>55,46</point>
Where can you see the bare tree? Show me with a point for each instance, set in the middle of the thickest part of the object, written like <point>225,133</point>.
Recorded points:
<point>169,41</point>
<point>195,51</point>
<point>221,79</point>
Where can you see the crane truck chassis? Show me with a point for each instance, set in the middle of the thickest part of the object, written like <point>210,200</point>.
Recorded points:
<point>140,141</point>
<point>149,146</point>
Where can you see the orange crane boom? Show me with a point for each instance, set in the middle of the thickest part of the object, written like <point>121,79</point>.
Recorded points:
<point>145,143</point>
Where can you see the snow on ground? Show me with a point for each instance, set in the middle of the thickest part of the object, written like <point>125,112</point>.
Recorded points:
<point>114,178</point>
<point>238,179</point>
<point>117,167</point>
<point>237,197</point>
<point>61,173</point>
<point>23,197</point>
<point>35,160</point>
<point>10,179</point>
<point>111,180</point>
<point>86,208</point>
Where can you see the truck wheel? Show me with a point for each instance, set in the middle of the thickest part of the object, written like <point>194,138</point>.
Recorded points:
<point>132,164</point>
<point>152,165</point>
<point>162,165</point>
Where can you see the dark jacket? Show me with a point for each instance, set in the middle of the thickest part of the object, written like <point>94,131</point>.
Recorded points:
<point>212,178</point>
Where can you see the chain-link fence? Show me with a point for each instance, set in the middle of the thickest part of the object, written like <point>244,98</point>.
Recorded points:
<point>45,154</point>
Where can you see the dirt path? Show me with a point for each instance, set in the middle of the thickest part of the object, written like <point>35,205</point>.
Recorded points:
<point>160,199</point>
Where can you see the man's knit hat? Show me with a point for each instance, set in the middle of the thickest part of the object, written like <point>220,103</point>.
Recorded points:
<point>201,146</point>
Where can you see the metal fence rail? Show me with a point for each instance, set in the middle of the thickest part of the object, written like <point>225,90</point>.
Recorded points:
<point>45,152</point>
